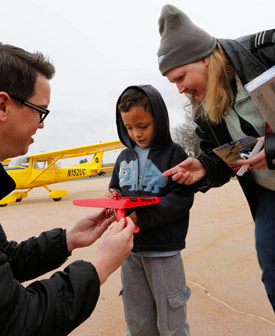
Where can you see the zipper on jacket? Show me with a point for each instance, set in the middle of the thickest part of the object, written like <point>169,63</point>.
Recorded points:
<point>140,180</point>
<point>137,175</point>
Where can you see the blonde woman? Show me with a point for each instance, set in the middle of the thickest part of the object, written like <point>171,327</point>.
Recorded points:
<point>212,73</point>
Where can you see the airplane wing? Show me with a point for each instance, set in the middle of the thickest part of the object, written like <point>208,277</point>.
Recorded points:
<point>78,151</point>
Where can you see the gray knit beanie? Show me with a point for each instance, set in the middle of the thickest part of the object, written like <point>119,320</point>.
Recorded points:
<point>181,41</point>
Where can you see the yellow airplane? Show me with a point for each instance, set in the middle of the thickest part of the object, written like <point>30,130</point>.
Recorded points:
<point>39,170</point>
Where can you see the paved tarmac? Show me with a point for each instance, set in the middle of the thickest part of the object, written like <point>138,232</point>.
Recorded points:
<point>228,297</point>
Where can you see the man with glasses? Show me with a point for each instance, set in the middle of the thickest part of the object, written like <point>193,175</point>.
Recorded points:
<point>57,305</point>
<point>43,112</point>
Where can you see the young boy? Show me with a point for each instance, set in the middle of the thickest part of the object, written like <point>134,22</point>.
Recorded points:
<point>153,281</point>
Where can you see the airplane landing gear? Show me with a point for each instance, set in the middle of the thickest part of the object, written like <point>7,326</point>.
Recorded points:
<point>57,199</point>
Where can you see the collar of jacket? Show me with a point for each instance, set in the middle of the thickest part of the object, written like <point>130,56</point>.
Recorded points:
<point>7,184</point>
<point>244,62</point>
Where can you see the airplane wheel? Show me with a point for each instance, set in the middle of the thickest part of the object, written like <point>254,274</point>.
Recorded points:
<point>18,200</point>
<point>57,199</point>
<point>3,205</point>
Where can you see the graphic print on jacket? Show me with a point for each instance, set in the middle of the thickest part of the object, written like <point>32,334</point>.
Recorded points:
<point>151,181</point>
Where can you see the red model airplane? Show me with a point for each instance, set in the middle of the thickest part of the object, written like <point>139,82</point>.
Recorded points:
<point>118,204</point>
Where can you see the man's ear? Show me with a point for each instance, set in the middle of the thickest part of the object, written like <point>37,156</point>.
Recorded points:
<point>3,105</point>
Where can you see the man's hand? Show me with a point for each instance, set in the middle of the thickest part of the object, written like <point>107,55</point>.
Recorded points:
<point>87,230</point>
<point>187,172</point>
<point>114,247</point>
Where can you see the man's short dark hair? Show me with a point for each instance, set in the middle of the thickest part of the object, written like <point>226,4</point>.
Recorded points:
<point>19,70</point>
<point>134,97</point>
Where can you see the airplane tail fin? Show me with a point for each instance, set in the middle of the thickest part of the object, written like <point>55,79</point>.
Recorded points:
<point>96,163</point>
<point>97,160</point>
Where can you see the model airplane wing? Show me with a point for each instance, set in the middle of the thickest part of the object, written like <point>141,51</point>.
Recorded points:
<point>132,202</point>
<point>121,203</point>
<point>101,203</point>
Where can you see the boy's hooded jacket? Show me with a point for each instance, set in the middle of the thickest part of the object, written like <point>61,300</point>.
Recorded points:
<point>163,226</point>
<point>54,306</point>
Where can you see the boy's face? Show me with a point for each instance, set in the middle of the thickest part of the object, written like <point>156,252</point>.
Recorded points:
<point>140,125</point>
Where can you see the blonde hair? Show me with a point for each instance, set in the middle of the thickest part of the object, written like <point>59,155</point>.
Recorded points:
<point>219,96</point>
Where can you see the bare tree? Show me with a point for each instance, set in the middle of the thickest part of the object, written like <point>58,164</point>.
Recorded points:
<point>184,134</point>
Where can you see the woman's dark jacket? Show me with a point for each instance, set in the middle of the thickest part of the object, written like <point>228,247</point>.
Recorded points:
<point>250,56</point>
<point>54,306</point>
<point>163,226</point>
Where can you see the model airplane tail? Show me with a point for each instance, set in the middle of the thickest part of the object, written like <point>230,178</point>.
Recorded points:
<point>118,204</point>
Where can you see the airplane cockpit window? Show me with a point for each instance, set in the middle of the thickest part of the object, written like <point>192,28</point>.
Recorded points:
<point>21,161</point>
<point>40,164</point>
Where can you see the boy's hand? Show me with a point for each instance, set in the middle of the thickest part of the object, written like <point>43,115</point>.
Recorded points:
<point>133,216</point>
<point>110,192</point>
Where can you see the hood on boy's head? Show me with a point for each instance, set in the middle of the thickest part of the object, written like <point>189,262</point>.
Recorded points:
<point>160,115</point>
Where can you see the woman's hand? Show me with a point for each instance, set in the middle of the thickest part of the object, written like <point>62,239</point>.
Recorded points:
<point>257,161</point>
<point>187,172</point>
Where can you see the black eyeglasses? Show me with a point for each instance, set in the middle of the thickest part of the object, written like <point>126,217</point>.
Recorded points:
<point>43,112</point>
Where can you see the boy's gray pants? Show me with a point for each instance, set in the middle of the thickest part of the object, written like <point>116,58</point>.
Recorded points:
<point>154,296</point>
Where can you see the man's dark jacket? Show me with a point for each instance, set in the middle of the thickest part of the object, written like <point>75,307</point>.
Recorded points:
<point>48,307</point>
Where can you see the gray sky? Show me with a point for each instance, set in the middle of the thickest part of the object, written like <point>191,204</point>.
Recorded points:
<point>100,47</point>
